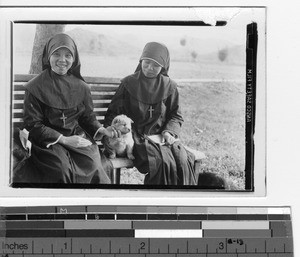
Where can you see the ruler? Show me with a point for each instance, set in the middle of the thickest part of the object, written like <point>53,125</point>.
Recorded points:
<point>145,231</point>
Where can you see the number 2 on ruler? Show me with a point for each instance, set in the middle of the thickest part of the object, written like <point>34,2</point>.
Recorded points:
<point>143,244</point>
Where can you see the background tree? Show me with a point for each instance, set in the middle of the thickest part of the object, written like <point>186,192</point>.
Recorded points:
<point>194,55</point>
<point>92,45</point>
<point>222,54</point>
<point>183,41</point>
<point>42,34</point>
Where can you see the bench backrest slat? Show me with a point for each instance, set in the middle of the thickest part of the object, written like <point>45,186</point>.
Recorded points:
<point>89,80</point>
<point>102,90</point>
<point>95,88</point>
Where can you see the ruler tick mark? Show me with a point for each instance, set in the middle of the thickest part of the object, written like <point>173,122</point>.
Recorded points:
<point>284,247</point>
<point>265,246</point>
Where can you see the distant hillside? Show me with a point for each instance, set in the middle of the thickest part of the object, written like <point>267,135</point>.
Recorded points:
<point>99,44</point>
<point>188,49</point>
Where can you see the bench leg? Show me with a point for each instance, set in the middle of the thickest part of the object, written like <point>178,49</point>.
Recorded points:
<point>116,176</point>
<point>198,170</point>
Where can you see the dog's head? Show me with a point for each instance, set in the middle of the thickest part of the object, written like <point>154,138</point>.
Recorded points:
<point>122,123</point>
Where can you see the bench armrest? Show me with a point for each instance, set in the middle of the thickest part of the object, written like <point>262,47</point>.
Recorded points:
<point>198,155</point>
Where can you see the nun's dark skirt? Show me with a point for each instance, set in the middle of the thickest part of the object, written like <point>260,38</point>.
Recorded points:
<point>164,165</point>
<point>58,164</point>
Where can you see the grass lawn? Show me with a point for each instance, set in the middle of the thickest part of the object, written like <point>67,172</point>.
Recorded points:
<point>214,124</point>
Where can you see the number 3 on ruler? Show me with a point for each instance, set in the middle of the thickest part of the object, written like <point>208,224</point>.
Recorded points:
<point>221,246</point>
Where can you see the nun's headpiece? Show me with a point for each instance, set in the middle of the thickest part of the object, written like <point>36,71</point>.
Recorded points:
<point>158,53</point>
<point>59,41</point>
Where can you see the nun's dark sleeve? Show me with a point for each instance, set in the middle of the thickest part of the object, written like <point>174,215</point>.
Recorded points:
<point>88,121</point>
<point>33,120</point>
<point>174,117</point>
<point>116,106</point>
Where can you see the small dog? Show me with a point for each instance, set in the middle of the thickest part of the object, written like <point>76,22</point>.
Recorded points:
<point>122,146</point>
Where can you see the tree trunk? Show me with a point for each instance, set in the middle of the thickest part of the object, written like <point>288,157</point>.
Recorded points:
<point>42,34</point>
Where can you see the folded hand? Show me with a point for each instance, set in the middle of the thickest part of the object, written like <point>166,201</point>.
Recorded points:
<point>74,141</point>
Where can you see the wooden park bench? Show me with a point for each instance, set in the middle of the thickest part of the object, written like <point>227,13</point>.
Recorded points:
<point>102,90</point>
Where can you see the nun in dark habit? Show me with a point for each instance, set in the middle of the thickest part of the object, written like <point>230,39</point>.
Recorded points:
<point>58,113</point>
<point>150,98</point>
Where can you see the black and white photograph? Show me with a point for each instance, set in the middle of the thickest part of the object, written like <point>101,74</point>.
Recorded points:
<point>151,104</point>
<point>149,128</point>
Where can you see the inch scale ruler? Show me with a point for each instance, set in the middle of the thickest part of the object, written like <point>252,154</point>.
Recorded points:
<point>140,231</point>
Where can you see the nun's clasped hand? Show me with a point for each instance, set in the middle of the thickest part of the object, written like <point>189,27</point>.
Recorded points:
<point>74,141</point>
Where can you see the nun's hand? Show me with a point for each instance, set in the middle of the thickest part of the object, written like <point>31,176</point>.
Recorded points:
<point>169,139</point>
<point>111,132</point>
<point>74,141</point>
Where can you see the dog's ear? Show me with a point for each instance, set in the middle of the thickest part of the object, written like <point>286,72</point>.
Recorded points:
<point>117,119</point>
<point>131,120</point>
